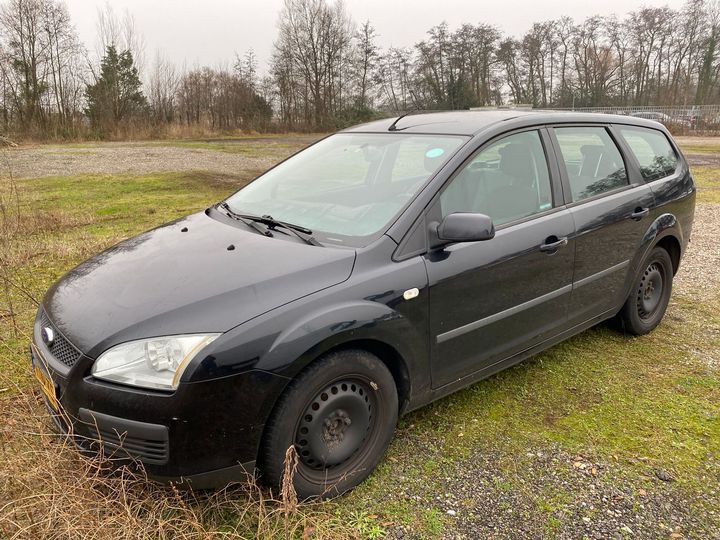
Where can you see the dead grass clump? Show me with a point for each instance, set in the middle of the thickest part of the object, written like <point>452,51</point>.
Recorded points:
<point>50,491</point>
<point>54,221</point>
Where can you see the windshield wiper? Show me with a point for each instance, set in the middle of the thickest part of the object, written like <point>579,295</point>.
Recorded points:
<point>271,223</point>
<point>265,231</point>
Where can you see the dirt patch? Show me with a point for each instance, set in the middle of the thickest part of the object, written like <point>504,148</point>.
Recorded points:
<point>144,158</point>
<point>703,160</point>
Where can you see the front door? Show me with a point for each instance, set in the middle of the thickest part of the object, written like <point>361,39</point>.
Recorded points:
<point>489,300</point>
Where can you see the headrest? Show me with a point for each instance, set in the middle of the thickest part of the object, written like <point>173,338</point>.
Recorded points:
<point>516,161</point>
<point>592,150</point>
<point>592,160</point>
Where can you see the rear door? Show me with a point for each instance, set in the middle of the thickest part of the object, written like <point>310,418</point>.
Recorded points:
<point>610,205</point>
<point>490,300</point>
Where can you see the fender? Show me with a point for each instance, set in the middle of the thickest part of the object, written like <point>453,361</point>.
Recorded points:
<point>664,225</point>
<point>353,321</point>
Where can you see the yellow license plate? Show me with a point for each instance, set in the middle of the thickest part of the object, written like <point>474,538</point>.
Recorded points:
<point>48,388</point>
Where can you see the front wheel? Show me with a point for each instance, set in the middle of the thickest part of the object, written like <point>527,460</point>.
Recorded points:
<point>339,414</point>
<point>648,300</point>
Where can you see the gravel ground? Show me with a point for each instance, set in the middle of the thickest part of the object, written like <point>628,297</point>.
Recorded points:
<point>699,275</point>
<point>508,503</point>
<point>704,160</point>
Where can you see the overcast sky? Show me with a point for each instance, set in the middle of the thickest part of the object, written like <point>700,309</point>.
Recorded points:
<point>210,31</point>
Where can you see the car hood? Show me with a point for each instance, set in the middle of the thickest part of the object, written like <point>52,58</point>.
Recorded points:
<point>194,275</point>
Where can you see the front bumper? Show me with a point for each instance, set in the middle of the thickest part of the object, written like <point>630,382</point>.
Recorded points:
<point>205,434</point>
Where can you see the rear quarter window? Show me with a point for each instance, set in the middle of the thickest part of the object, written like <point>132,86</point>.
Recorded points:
<point>653,151</point>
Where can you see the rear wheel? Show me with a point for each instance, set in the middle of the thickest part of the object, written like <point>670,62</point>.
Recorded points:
<point>648,300</point>
<point>340,415</point>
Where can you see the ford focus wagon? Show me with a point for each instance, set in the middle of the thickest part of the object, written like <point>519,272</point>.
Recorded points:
<point>381,268</point>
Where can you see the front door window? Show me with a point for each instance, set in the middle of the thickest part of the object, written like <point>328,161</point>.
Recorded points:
<point>508,180</point>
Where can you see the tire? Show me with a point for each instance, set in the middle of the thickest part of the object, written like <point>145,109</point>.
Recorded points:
<point>649,297</point>
<point>340,414</point>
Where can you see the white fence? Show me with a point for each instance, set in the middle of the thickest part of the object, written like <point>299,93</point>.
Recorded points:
<point>692,119</point>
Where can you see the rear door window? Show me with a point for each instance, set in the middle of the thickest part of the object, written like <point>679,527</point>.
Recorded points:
<point>653,151</point>
<point>593,162</point>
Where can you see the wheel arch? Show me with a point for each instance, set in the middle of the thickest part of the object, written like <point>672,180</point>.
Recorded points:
<point>385,352</point>
<point>389,356</point>
<point>374,327</point>
<point>671,244</point>
<point>666,232</point>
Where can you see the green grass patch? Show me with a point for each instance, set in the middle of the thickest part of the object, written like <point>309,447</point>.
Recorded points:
<point>641,404</point>
<point>700,148</point>
<point>707,180</point>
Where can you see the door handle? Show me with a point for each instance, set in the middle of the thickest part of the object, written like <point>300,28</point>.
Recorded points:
<point>639,213</point>
<point>553,243</point>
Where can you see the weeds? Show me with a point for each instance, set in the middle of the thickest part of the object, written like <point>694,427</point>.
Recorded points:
<point>50,490</point>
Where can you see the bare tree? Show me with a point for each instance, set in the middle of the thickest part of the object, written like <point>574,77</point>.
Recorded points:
<point>709,53</point>
<point>366,55</point>
<point>246,68</point>
<point>26,58</point>
<point>394,79</point>
<point>119,32</point>
<point>325,71</point>
<point>312,53</point>
<point>40,67</point>
<point>220,99</point>
<point>163,88</point>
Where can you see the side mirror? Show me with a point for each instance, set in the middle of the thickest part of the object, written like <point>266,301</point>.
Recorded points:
<point>463,227</point>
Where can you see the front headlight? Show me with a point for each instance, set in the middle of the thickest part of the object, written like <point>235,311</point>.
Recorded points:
<point>154,363</point>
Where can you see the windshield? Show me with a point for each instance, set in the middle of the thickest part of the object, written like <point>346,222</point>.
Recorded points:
<point>348,187</point>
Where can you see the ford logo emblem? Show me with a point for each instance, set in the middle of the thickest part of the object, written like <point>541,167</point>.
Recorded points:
<point>48,336</point>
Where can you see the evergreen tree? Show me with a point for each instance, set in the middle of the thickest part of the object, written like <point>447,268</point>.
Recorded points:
<point>117,95</point>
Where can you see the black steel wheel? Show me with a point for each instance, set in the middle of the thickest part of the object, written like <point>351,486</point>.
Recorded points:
<point>646,305</point>
<point>340,415</point>
<point>650,290</point>
<point>335,424</point>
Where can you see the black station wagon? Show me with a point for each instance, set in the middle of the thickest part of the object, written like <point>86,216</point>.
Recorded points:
<point>381,268</point>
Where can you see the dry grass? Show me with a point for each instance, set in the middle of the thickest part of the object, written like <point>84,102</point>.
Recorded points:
<point>51,491</point>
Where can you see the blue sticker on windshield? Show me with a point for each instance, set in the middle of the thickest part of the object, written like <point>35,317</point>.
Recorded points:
<point>434,152</point>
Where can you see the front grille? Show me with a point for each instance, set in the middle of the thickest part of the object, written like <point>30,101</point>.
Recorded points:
<point>62,350</point>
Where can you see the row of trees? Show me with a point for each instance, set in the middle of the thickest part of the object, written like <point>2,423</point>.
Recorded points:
<point>327,71</point>
<point>654,56</point>
<point>324,71</point>
<point>51,85</point>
